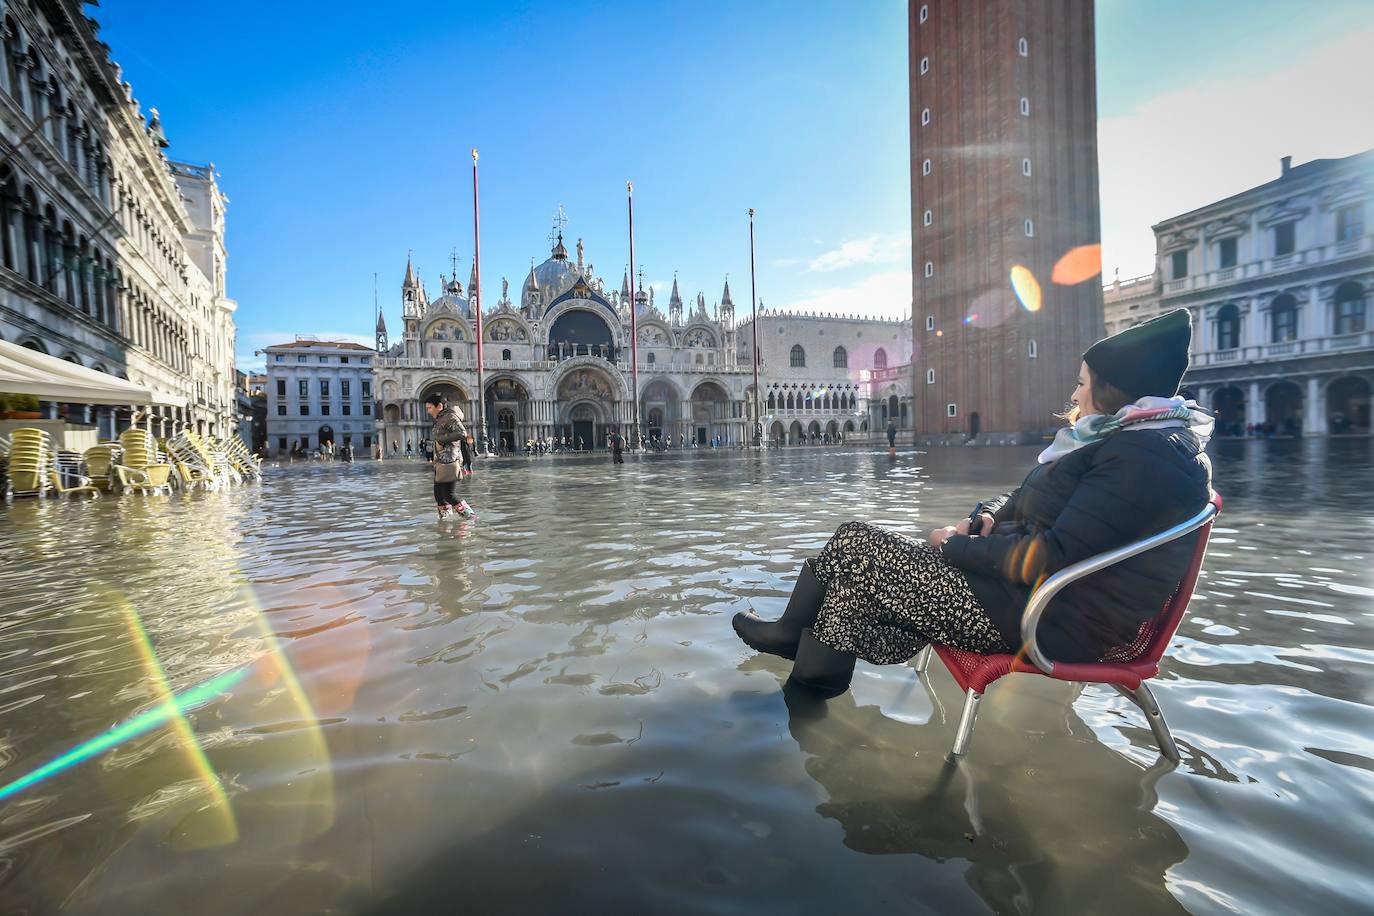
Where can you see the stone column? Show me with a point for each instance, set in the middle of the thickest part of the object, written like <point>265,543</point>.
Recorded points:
<point>1254,405</point>
<point>1314,409</point>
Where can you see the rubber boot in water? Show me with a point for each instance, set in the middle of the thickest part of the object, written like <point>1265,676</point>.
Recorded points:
<point>780,637</point>
<point>820,669</point>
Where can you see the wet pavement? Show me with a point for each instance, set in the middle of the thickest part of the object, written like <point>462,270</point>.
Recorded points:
<point>546,710</point>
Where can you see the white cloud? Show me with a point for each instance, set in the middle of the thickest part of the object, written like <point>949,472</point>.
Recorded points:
<point>1185,149</point>
<point>875,249</point>
<point>886,294</point>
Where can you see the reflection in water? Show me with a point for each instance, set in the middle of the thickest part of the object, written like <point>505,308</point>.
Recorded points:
<point>548,704</point>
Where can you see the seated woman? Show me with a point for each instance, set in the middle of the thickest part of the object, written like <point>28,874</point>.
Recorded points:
<point>1130,464</point>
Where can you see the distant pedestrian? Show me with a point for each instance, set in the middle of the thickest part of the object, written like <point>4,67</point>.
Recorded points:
<point>891,436</point>
<point>409,450</point>
<point>617,448</point>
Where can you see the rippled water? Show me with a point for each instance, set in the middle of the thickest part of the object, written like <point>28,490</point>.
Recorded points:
<point>546,710</point>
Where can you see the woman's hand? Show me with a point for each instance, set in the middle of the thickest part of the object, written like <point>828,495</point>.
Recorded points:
<point>940,535</point>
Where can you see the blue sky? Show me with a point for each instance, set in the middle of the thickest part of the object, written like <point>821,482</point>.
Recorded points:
<point>341,132</point>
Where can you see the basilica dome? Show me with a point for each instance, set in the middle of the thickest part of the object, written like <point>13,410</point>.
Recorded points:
<point>452,300</point>
<point>554,277</point>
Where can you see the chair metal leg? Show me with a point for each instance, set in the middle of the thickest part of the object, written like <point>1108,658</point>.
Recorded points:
<point>1143,698</point>
<point>923,659</point>
<point>961,737</point>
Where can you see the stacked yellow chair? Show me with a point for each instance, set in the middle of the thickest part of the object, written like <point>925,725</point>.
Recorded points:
<point>140,470</point>
<point>55,476</point>
<point>100,464</point>
<point>30,455</point>
<point>193,462</point>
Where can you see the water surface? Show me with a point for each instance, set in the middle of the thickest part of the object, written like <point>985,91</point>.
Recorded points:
<point>547,711</point>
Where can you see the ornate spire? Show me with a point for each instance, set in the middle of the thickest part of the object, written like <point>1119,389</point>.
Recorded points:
<point>531,281</point>
<point>625,286</point>
<point>559,252</point>
<point>381,323</point>
<point>725,297</point>
<point>409,282</point>
<point>674,298</point>
<point>472,279</point>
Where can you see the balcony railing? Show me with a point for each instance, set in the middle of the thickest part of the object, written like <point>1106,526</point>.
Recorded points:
<point>1289,349</point>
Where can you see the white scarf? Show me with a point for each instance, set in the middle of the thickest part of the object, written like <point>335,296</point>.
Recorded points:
<point>1150,412</point>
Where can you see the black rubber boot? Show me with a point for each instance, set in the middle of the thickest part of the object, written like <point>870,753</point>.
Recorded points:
<point>779,637</point>
<point>820,669</point>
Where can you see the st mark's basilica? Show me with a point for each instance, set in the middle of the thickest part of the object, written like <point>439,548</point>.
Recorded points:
<point>556,363</point>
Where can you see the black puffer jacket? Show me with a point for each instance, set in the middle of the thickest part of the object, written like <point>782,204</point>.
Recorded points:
<point>1130,485</point>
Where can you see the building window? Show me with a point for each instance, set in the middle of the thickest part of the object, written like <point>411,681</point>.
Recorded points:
<point>1025,106</point>
<point>841,358</point>
<point>1283,320</point>
<point>305,410</point>
<point>1349,223</point>
<point>281,357</point>
<point>1031,350</point>
<point>880,359</point>
<point>281,410</point>
<point>324,359</point>
<point>1226,253</point>
<point>281,387</point>
<point>367,440</point>
<point>281,443</point>
<point>1284,238</point>
<point>1022,48</point>
<point>925,116</point>
<point>324,410</point>
<point>798,356</point>
<point>1025,167</point>
<point>930,322</point>
<point>951,410</point>
<point>343,360</point>
<point>367,389</point>
<point>505,355</point>
<point>930,268</point>
<point>925,13</point>
<point>300,357</point>
<point>343,388</point>
<point>925,167</point>
<point>348,410</point>
<point>448,353</point>
<point>367,410</point>
<point>324,388</point>
<point>303,388</point>
<point>651,359</point>
<point>1030,229</point>
<point>927,218</point>
<point>930,376</point>
<point>367,360</point>
<point>925,65</point>
<point>1228,328</point>
<point>1179,264</point>
<point>1350,309</point>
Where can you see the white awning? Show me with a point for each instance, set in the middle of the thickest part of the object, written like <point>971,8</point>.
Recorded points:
<point>25,371</point>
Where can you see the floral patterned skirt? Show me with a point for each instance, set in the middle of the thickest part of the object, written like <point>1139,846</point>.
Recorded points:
<point>886,596</point>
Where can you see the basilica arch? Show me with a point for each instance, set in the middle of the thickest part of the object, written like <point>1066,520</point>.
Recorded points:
<point>508,414</point>
<point>590,401</point>
<point>713,413</point>
<point>578,328</point>
<point>661,409</point>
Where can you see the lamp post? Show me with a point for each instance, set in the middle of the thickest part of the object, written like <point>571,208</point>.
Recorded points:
<point>634,331</point>
<point>475,295</point>
<point>754,327</point>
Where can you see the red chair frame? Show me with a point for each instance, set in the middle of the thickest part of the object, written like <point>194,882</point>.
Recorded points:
<point>1125,667</point>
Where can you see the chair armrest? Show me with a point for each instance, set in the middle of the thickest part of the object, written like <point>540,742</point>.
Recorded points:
<point>1040,598</point>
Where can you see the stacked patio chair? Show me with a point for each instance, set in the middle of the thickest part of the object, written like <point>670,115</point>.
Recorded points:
<point>66,478</point>
<point>140,470</point>
<point>243,461</point>
<point>100,462</point>
<point>30,455</point>
<point>193,461</point>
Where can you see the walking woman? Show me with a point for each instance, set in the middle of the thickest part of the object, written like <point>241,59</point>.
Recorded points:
<point>1129,464</point>
<point>448,432</point>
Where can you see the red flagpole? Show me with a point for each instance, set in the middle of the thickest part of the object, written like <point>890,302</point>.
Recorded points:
<point>634,334</point>
<point>474,295</point>
<point>754,312</point>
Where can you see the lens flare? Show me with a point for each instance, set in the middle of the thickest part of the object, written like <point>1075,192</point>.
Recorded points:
<point>214,824</point>
<point>1026,287</point>
<point>138,725</point>
<point>1078,264</point>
